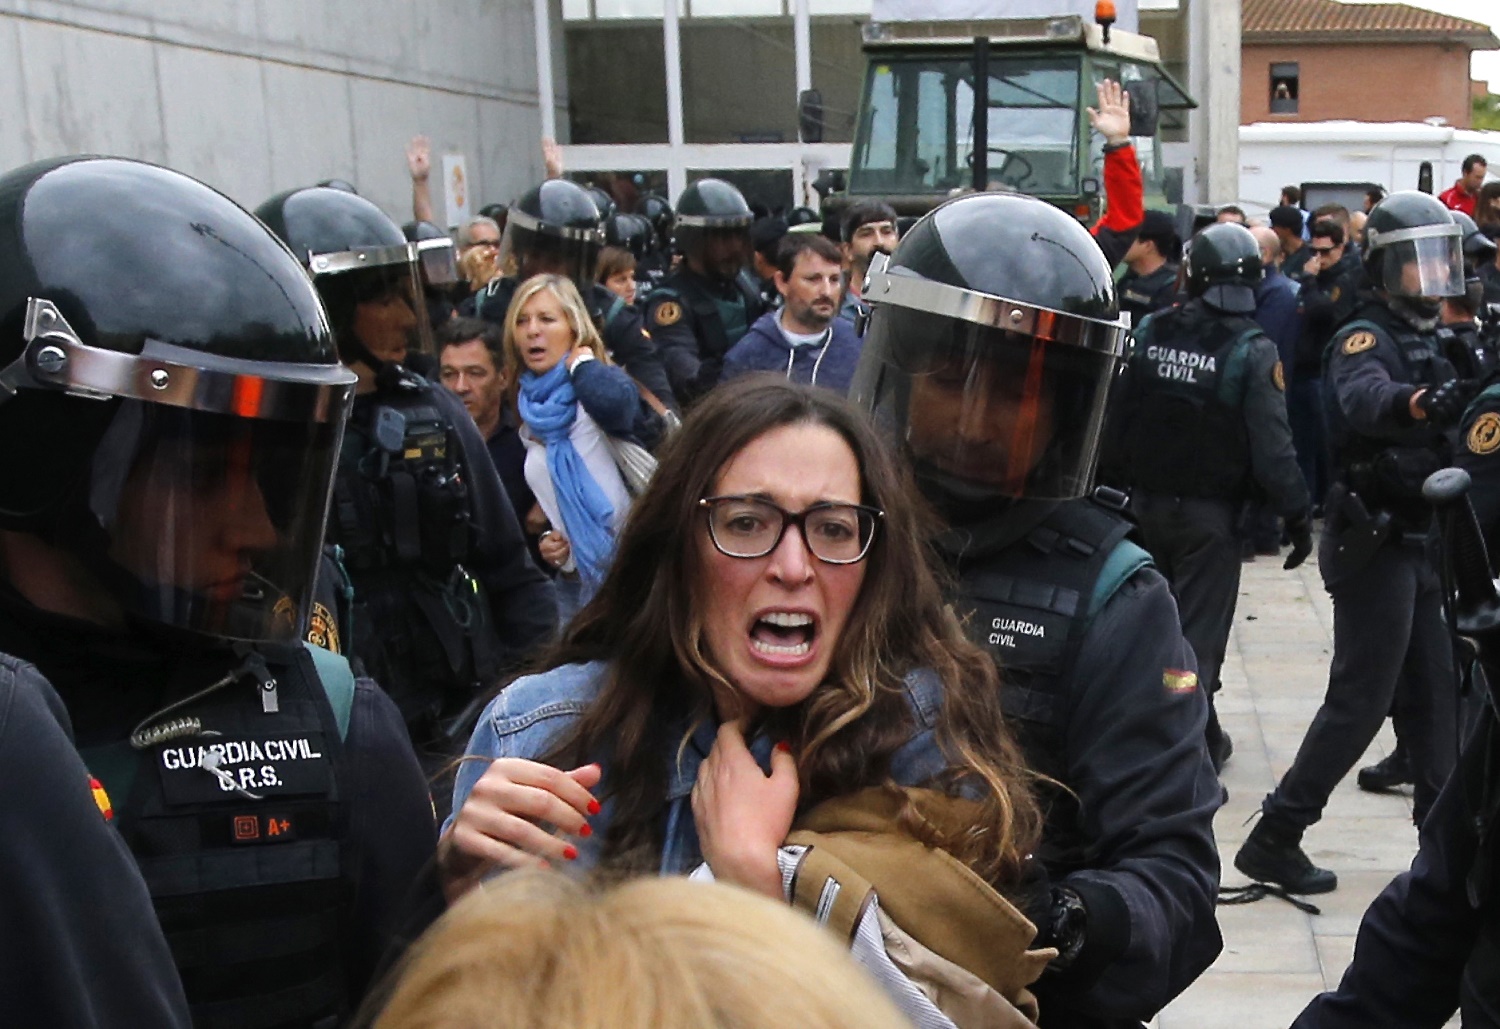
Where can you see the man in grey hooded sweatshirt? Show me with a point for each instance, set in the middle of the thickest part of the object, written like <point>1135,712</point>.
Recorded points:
<point>803,340</point>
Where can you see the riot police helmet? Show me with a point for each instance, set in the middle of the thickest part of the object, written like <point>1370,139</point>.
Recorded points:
<point>603,201</point>
<point>1414,249</point>
<point>803,216</point>
<point>437,255</point>
<point>1223,267</point>
<point>630,232</point>
<point>1478,248</point>
<point>366,271</point>
<point>994,333</point>
<point>553,228</point>
<point>656,210</point>
<point>713,228</point>
<point>171,398</point>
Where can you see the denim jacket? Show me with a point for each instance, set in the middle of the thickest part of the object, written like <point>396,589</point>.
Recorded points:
<point>531,715</point>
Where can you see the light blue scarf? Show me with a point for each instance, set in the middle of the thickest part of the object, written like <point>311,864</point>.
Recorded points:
<point>550,407</point>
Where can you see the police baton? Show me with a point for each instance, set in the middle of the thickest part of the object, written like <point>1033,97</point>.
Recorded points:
<point>1470,601</point>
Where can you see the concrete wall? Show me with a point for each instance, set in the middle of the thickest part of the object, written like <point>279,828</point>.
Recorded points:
<point>1381,82</point>
<point>256,96</point>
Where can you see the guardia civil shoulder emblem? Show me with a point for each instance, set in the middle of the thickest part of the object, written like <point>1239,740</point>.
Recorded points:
<point>668,312</point>
<point>1484,434</point>
<point>323,629</point>
<point>1359,342</point>
<point>1278,378</point>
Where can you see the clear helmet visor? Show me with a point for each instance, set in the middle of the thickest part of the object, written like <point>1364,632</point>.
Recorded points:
<point>985,412</point>
<point>213,522</point>
<point>532,248</point>
<point>1432,266</point>
<point>378,311</point>
<point>438,259</point>
<point>207,491</point>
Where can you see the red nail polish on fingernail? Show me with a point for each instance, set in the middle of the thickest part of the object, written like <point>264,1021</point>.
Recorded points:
<point>587,830</point>
<point>570,853</point>
<point>594,808</point>
<point>784,747</point>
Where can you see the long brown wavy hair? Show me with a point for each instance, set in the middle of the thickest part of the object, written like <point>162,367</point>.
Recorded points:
<point>645,623</point>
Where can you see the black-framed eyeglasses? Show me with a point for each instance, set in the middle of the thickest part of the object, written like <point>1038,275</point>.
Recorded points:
<point>1322,250</point>
<point>750,527</point>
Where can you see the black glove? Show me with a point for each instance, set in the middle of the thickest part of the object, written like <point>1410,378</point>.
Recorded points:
<point>1066,927</point>
<point>1300,530</point>
<point>1444,405</point>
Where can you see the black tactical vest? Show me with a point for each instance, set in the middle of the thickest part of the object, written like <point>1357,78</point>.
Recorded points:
<point>401,513</point>
<point>244,863</point>
<point>1187,437</point>
<point>1029,606</point>
<point>719,321</point>
<point>1472,355</point>
<point>1388,473</point>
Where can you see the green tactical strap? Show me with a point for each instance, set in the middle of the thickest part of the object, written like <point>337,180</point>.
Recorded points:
<point>1490,394</point>
<point>1232,382</point>
<point>1123,562</point>
<point>338,683</point>
<point>615,307</point>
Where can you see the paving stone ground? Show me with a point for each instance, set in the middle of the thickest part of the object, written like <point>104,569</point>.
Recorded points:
<point>1275,957</point>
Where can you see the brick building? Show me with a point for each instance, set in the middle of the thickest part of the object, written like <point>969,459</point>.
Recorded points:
<point>1321,60</point>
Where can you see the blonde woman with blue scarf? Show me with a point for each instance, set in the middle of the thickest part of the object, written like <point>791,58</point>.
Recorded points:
<point>570,398</point>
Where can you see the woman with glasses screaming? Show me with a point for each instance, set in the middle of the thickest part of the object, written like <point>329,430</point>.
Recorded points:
<point>769,637</point>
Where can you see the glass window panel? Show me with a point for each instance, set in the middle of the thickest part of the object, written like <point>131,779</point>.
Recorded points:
<point>617,83</point>
<point>633,8</point>
<point>818,7</point>
<point>736,8</point>
<point>919,126</point>
<point>575,10</point>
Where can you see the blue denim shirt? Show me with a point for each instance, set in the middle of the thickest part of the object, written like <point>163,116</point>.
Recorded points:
<point>531,715</point>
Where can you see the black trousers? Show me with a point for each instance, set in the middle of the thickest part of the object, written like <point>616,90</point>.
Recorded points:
<point>1196,545</point>
<point>1389,644</point>
<point>1195,542</point>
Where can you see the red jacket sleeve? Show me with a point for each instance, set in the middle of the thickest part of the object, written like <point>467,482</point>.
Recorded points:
<point>1124,191</point>
<point>1124,198</point>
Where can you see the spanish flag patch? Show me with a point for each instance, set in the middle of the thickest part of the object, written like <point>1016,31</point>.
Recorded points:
<point>1179,680</point>
<point>102,799</point>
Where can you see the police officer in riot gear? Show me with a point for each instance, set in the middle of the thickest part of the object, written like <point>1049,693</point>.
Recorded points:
<point>1391,396</point>
<point>446,596</point>
<point>703,307</point>
<point>651,270</point>
<point>630,232</point>
<point>1203,419</point>
<point>1473,349</point>
<point>556,228</point>
<point>993,339</point>
<point>437,259</point>
<point>173,404</point>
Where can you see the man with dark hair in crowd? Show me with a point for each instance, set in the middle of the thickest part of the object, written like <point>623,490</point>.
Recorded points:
<point>1330,280</point>
<point>1151,281</point>
<point>1232,213</point>
<point>1338,214</point>
<point>803,340</point>
<point>471,364</point>
<point>1286,222</point>
<point>1373,196</point>
<point>766,235</point>
<point>1465,192</point>
<point>1291,196</point>
<point>868,226</point>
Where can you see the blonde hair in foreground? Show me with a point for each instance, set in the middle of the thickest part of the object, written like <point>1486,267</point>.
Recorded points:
<point>537,950</point>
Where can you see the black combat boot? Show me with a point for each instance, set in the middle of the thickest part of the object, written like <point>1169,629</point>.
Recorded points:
<point>1388,773</point>
<point>1273,854</point>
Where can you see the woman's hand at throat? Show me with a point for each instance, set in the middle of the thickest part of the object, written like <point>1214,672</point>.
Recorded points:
<point>742,814</point>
